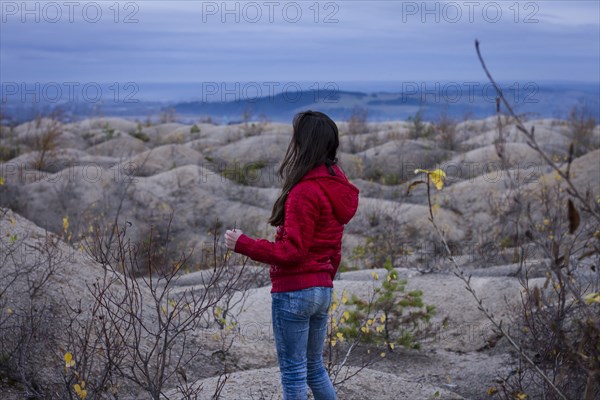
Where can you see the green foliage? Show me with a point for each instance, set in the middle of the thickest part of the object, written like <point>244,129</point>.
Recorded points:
<point>419,129</point>
<point>108,131</point>
<point>373,219</point>
<point>390,316</point>
<point>256,165</point>
<point>44,142</point>
<point>8,153</point>
<point>344,267</point>
<point>375,175</point>
<point>506,242</point>
<point>379,176</point>
<point>359,252</point>
<point>141,136</point>
<point>245,175</point>
<point>393,316</point>
<point>194,129</point>
<point>87,135</point>
<point>386,244</point>
<point>392,179</point>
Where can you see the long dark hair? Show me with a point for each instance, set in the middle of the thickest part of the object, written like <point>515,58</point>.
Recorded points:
<point>314,142</point>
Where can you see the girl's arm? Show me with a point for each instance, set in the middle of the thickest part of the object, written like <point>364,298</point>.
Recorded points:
<point>301,212</point>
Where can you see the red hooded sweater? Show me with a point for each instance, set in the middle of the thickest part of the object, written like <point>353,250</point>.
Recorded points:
<point>307,248</point>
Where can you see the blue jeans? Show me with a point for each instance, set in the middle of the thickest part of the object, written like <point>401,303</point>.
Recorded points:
<point>299,327</point>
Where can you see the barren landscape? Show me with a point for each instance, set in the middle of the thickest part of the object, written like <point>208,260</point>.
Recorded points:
<point>101,298</point>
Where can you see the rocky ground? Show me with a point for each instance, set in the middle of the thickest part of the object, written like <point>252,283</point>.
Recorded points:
<point>456,362</point>
<point>103,170</point>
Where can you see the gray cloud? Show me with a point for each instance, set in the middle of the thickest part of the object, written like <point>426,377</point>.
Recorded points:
<point>377,40</point>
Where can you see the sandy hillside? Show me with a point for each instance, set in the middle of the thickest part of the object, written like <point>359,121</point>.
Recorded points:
<point>180,184</point>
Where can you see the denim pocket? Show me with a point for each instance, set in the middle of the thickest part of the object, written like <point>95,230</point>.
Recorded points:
<point>280,300</point>
<point>301,302</point>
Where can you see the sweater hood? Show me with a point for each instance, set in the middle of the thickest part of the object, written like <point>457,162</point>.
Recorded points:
<point>342,194</point>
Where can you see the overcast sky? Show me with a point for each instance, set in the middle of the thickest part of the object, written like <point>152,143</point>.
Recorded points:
<point>197,41</point>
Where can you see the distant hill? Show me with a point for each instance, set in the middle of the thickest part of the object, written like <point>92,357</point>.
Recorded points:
<point>191,102</point>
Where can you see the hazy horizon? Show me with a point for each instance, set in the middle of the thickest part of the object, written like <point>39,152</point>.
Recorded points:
<point>117,55</point>
<point>206,41</point>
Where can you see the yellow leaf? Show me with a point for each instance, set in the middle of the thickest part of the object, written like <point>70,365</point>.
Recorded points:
<point>346,315</point>
<point>492,391</point>
<point>382,354</point>
<point>365,329</point>
<point>382,318</point>
<point>69,362</point>
<point>392,345</point>
<point>344,297</point>
<point>1,180</point>
<point>379,329</point>
<point>375,275</point>
<point>80,390</point>
<point>592,298</point>
<point>9,311</point>
<point>65,223</point>
<point>436,176</point>
<point>370,321</point>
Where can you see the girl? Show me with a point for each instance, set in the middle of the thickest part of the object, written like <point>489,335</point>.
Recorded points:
<point>315,203</point>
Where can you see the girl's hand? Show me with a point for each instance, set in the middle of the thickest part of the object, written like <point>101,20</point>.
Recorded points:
<point>231,237</point>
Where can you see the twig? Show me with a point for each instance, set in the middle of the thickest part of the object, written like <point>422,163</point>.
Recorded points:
<point>532,142</point>
<point>467,280</point>
<point>460,272</point>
